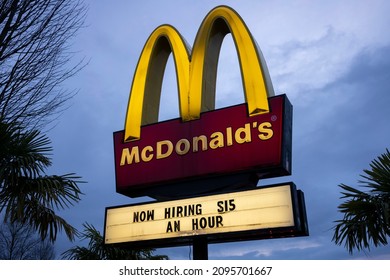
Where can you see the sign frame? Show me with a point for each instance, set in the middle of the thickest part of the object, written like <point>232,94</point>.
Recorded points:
<point>300,227</point>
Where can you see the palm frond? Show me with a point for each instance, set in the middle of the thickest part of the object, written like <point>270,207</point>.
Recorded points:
<point>97,250</point>
<point>378,177</point>
<point>366,213</point>
<point>27,194</point>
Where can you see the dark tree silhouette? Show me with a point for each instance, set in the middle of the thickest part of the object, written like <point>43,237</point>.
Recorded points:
<point>366,218</point>
<point>27,194</point>
<point>35,58</point>
<point>20,242</point>
<point>97,250</point>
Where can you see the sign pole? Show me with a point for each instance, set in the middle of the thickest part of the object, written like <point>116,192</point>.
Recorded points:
<point>200,249</point>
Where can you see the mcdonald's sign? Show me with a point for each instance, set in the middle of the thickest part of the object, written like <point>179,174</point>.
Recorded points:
<point>205,150</point>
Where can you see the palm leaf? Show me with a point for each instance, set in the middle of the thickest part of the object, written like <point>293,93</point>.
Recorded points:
<point>27,194</point>
<point>97,250</point>
<point>366,213</point>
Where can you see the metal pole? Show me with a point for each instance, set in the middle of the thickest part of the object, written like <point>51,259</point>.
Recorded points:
<point>200,248</point>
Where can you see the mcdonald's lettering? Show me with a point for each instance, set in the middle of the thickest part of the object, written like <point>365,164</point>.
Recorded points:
<point>238,144</point>
<point>218,139</point>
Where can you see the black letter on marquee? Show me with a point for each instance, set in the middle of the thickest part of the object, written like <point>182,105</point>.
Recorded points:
<point>176,226</point>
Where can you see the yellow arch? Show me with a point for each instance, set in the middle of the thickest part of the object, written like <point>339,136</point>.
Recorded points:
<point>204,59</point>
<point>144,100</point>
<point>196,76</point>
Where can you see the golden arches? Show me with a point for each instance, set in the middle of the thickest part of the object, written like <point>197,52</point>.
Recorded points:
<point>147,81</point>
<point>196,74</point>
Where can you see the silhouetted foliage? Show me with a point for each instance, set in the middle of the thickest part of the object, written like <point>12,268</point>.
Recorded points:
<point>97,250</point>
<point>35,58</point>
<point>20,242</point>
<point>27,194</point>
<point>366,213</point>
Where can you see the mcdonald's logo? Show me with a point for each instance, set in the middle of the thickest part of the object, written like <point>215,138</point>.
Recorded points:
<point>196,70</point>
<point>224,149</point>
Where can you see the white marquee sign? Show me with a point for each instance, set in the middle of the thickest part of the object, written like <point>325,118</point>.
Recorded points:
<point>262,208</point>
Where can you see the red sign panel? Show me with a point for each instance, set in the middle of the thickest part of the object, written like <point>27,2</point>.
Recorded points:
<point>194,155</point>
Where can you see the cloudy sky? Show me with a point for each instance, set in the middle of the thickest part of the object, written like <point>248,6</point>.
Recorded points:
<point>331,58</point>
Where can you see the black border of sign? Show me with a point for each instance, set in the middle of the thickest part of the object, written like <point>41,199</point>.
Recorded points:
<point>300,227</point>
